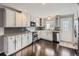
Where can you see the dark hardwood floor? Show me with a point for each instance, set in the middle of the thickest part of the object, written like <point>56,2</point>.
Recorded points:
<point>46,48</point>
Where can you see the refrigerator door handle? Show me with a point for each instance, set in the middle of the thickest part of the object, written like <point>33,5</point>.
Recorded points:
<point>75,33</point>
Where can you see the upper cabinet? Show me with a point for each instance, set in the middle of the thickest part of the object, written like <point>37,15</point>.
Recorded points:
<point>50,23</point>
<point>21,19</point>
<point>1,17</point>
<point>9,18</point>
<point>37,22</point>
<point>18,19</point>
<point>40,22</point>
<point>24,20</point>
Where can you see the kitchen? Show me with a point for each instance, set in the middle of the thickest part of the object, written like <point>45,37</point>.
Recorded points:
<point>36,29</point>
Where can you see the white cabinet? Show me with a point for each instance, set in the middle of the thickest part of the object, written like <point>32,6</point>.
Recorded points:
<point>37,22</point>
<point>47,35</point>
<point>9,44</point>
<point>1,31</point>
<point>1,17</point>
<point>28,20</point>
<point>21,19</point>
<point>50,25</point>
<point>24,40</point>
<point>18,42</point>
<point>1,44</point>
<point>24,20</point>
<point>9,18</point>
<point>40,22</point>
<point>30,38</point>
<point>18,19</point>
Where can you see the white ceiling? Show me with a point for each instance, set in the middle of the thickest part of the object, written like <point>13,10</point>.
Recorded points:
<point>38,9</point>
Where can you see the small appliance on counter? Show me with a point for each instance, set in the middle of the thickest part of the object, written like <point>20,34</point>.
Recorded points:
<point>32,24</point>
<point>32,27</point>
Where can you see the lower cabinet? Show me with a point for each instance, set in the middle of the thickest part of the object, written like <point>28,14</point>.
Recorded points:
<point>47,35</point>
<point>18,42</point>
<point>9,44</point>
<point>29,38</point>
<point>24,40</point>
<point>13,43</point>
<point>1,44</point>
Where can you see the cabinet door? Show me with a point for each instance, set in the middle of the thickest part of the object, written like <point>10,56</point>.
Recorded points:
<point>24,18</point>
<point>50,24</point>
<point>28,20</point>
<point>10,18</point>
<point>1,31</point>
<point>18,42</point>
<point>43,34</point>
<point>30,38</point>
<point>37,20</point>
<point>24,40</point>
<point>1,17</point>
<point>49,36</point>
<point>1,44</point>
<point>43,22</point>
<point>11,44</point>
<point>18,19</point>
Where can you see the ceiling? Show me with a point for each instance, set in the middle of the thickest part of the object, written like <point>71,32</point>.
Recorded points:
<point>39,9</point>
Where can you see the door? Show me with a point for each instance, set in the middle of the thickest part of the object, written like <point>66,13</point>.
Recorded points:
<point>66,25</point>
